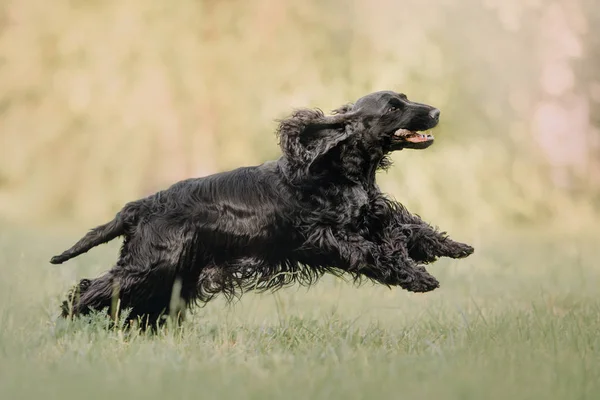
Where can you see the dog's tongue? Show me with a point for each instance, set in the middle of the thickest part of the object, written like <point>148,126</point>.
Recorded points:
<point>418,138</point>
<point>411,136</point>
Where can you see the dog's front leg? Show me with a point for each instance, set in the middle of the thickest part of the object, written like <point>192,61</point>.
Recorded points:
<point>394,266</point>
<point>384,262</point>
<point>425,244</point>
<point>403,272</point>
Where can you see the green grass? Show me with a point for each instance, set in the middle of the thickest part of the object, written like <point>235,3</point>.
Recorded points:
<point>520,319</point>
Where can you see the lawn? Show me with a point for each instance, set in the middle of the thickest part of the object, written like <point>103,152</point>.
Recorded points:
<point>520,319</point>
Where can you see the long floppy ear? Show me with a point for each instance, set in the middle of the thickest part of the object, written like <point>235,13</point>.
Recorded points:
<point>308,134</point>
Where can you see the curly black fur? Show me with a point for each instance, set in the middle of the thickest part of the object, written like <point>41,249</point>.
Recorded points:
<point>315,210</point>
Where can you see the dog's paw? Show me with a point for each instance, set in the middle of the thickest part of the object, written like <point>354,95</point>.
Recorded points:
<point>67,307</point>
<point>459,250</point>
<point>422,282</point>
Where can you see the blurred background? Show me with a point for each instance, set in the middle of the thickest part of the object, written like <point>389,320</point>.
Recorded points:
<point>103,102</point>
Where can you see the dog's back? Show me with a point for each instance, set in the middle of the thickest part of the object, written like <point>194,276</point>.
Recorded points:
<point>217,202</point>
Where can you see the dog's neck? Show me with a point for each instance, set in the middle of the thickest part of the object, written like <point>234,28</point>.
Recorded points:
<point>367,160</point>
<point>352,162</point>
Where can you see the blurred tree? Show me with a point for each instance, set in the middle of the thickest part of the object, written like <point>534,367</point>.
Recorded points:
<point>105,101</point>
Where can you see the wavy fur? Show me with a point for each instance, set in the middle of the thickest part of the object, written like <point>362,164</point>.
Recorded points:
<point>315,210</point>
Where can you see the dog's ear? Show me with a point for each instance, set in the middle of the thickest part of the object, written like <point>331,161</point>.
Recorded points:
<point>345,109</point>
<point>308,134</point>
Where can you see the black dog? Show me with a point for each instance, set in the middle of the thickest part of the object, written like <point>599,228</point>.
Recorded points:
<point>315,210</point>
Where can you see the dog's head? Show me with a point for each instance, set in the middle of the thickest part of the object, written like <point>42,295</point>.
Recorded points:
<point>394,122</point>
<point>375,125</point>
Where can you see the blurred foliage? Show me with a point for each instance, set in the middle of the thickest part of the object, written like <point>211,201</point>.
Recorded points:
<point>106,101</point>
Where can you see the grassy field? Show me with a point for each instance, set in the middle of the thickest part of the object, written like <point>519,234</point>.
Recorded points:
<point>520,319</point>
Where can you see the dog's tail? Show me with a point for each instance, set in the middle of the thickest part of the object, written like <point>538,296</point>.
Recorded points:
<point>99,235</point>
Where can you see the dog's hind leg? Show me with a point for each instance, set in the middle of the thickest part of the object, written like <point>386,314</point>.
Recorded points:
<point>67,307</point>
<point>147,296</point>
<point>152,262</point>
<point>88,295</point>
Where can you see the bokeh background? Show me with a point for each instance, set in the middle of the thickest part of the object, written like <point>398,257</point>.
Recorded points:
<point>102,102</point>
<point>105,101</point>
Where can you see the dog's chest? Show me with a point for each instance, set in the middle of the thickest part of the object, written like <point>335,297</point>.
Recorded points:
<point>351,206</point>
<point>357,198</point>
<point>345,207</point>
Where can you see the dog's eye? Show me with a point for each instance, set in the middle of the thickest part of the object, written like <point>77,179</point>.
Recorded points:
<point>392,109</point>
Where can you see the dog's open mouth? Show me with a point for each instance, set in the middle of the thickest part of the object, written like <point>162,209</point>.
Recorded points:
<point>413,139</point>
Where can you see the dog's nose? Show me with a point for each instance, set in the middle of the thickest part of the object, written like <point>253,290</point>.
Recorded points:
<point>435,114</point>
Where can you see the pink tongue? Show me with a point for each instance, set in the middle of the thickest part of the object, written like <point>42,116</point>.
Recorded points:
<point>417,138</point>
